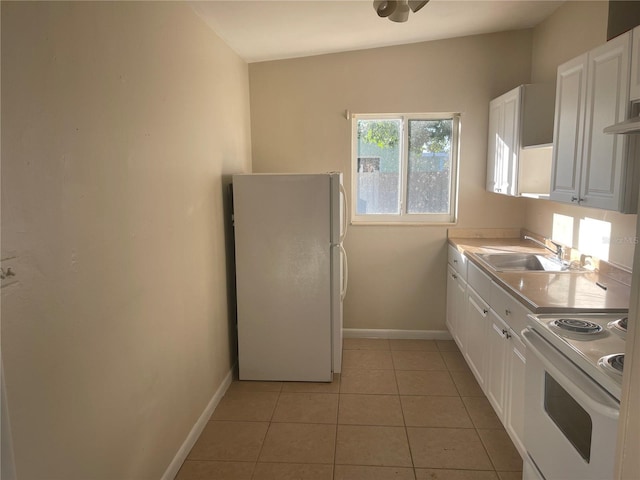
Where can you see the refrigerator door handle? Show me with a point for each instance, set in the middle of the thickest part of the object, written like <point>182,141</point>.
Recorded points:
<point>345,213</point>
<point>345,272</point>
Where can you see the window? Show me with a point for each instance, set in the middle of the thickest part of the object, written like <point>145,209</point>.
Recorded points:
<point>404,168</point>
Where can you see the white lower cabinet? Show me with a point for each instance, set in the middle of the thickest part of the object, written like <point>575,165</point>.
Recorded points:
<point>497,347</point>
<point>514,417</point>
<point>505,378</point>
<point>486,321</point>
<point>476,325</point>
<point>506,369</point>
<point>456,305</point>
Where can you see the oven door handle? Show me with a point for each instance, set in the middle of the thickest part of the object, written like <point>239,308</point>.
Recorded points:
<point>580,385</point>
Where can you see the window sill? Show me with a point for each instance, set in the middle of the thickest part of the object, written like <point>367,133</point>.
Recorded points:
<point>368,223</point>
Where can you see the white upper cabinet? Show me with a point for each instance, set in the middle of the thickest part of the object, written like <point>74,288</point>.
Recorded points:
<point>494,146</point>
<point>571,90</point>
<point>518,119</point>
<point>503,143</point>
<point>592,92</point>
<point>634,86</point>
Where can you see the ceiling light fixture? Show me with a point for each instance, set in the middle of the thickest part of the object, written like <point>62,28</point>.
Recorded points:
<point>397,10</point>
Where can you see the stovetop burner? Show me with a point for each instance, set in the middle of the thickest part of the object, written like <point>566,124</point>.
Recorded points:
<point>613,363</point>
<point>576,325</point>
<point>588,351</point>
<point>619,326</point>
<point>623,323</point>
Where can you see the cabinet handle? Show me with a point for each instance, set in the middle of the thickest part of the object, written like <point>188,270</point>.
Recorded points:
<point>485,311</point>
<point>454,275</point>
<point>455,261</point>
<point>506,333</point>
<point>574,199</point>
<point>507,312</point>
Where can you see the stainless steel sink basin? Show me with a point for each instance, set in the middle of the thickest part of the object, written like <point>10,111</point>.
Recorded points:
<point>523,262</point>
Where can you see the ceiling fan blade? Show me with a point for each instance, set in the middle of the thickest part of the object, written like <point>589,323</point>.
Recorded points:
<point>401,13</point>
<point>417,4</point>
<point>384,8</point>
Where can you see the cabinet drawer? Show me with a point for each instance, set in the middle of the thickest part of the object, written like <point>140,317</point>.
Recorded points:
<point>458,261</point>
<point>480,281</point>
<point>508,308</point>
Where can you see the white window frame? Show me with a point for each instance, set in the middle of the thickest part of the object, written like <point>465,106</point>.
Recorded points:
<point>404,218</point>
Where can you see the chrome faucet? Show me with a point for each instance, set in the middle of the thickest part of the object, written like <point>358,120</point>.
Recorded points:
<point>559,250</point>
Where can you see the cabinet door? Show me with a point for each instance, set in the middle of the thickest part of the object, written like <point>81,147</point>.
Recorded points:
<point>607,103</point>
<point>476,321</point>
<point>516,360</point>
<point>452,287</point>
<point>571,88</point>
<point>504,143</point>
<point>510,142</point>
<point>634,87</point>
<point>456,305</point>
<point>460,310</point>
<point>494,145</point>
<point>497,346</point>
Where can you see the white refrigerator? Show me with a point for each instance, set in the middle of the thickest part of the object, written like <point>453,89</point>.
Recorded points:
<point>290,275</point>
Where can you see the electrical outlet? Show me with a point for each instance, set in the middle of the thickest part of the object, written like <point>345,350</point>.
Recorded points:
<point>8,271</point>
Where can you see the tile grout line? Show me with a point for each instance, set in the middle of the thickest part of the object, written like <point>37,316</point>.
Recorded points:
<point>475,428</point>
<point>404,421</point>
<point>495,470</point>
<point>335,443</point>
<point>270,422</point>
<point>255,465</point>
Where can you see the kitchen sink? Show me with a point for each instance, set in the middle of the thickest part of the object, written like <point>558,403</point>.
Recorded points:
<point>523,262</point>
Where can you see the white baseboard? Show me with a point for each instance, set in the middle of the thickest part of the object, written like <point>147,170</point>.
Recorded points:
<point>396,334</point>
<point>195,432</point>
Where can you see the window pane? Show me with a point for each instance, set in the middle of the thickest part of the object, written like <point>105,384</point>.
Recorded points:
<point>378,175</point>
<point>429,173</point>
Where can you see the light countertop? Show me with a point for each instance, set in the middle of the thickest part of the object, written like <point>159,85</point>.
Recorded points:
<point>546,292</point>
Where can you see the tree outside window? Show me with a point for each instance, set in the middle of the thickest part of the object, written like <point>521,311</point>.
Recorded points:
<point>405,168</point>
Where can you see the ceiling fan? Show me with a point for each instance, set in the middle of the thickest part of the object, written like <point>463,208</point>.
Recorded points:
<point>397,10</point>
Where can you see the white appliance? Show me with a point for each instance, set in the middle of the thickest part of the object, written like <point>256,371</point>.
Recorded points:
<point>573,388</point>
<point>291,275</point>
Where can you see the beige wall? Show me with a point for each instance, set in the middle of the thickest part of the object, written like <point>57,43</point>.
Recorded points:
<point>120,124</point>
<point>577,26</point>
<point>573,29</point>
<point>396,273</point>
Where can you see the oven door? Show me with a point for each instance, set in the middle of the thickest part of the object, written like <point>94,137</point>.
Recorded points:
<point>570,421</point>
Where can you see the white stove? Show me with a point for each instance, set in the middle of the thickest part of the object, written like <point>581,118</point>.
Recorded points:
<point>572,390</point>
<point>594,342</point>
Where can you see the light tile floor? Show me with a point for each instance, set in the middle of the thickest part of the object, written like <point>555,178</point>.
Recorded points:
<point>402,409</point>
